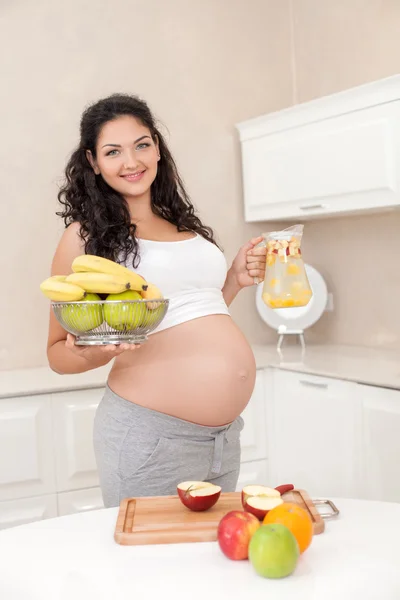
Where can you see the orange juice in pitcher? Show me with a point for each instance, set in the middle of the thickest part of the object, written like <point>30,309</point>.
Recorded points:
<point>286,283</point>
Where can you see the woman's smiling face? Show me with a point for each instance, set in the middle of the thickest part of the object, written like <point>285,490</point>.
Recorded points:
<point>126,156</point>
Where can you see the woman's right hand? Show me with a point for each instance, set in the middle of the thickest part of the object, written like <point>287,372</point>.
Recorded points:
<point>98,353</point>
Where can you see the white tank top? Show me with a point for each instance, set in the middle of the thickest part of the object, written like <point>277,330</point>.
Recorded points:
<point>190,273</point>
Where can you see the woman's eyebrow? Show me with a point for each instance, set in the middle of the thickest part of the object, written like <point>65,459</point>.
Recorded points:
<point>135,142</point>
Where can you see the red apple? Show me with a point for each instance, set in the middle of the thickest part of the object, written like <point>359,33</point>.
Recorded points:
<point>198,495</point>
<point>235,531</point>
<point>287,487</point>
<point>260,499</point>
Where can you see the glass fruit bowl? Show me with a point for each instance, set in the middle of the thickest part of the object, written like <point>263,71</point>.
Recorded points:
<point>101,322</point>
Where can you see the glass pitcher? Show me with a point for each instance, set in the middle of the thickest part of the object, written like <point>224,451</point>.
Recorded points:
<point>286,283</point>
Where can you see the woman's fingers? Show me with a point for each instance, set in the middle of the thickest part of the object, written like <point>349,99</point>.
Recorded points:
<point>109,349</point>
<point>260,251</point>
<point>256,264</point>
<point>259,273</point>
<point>70,344</point>
<point>118,349</point>
<point>70,341</point>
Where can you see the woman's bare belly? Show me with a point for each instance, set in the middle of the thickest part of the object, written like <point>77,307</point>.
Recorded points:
<point>201,371</point>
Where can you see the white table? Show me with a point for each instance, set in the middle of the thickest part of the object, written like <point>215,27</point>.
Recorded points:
<point>75,557</point>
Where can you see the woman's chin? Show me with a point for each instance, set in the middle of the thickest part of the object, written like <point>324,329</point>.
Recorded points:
<point>133,191</point>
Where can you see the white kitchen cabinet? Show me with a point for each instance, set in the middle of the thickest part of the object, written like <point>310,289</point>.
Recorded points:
<point>79,501</point>
<point>314,434</point>
<point>334,155</point>
<point>253,436</point>
<point>381,443</point>
<point>26,447</point>
<point>27,510</point>
<point>73,414</point>
<point>254,472</point>
<point>331,437</point>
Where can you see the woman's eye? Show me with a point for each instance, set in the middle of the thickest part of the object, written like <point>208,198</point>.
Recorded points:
<point>115,152</point>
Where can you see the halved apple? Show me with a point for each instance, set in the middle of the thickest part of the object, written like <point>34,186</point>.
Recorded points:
<point>198,495</point>
<point>286,487</point>
<point>260,499</point>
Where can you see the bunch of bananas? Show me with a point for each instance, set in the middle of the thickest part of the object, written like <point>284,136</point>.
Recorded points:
<point>96,275</point>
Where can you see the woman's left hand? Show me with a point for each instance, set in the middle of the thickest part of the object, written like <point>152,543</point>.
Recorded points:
<point>248,266</point>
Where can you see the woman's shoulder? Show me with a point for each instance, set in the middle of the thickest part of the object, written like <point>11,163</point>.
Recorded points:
<point>73,228</point>
<point>71,237</point>
<point>69,247</point>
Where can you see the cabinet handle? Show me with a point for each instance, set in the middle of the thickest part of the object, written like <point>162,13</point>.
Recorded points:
<point>314,384</point>
<point>312,206</point>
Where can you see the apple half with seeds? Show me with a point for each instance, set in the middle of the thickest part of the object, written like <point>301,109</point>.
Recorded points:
<point>198,495</point>
<point>260,499</point>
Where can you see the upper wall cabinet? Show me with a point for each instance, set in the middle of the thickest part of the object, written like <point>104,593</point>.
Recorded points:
<point>336,155</point>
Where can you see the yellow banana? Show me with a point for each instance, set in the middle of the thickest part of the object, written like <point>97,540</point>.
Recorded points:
<point>90,263</point>
<point>152,293</point>
<point>60,291</point>
<point>100,283</point>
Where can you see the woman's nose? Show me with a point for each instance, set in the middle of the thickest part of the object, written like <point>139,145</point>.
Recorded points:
<point>130,159</point>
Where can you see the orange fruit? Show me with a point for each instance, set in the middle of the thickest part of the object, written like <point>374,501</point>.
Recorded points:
<point>292,269</point>
<point>288,302</point>
<point>296,519</point>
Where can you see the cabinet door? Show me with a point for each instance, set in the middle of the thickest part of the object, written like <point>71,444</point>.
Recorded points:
<point>79,501</point>
<point>253,436</point>
<point>26,447</point>
<point>317,154</point>
<point>381,443</point>
<point>254,472</point>
<point>27,510</point>
<point>315,433</point>
<point>73,429</point>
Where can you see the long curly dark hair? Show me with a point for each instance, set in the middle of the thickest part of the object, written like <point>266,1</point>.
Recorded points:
<point>102,212</point>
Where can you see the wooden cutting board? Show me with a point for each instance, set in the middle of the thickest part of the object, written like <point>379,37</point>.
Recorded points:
<point>164,519</point>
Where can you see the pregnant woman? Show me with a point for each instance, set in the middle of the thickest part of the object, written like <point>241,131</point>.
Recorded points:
<point>171,410</point>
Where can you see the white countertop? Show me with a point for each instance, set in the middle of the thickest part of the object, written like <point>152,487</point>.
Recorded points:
<point>353,363</point>
<point>363,365</point>
<point>357,556</point>
<point>42,380</point>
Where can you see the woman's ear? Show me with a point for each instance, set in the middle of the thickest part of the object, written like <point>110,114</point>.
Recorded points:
<point>92,162</point>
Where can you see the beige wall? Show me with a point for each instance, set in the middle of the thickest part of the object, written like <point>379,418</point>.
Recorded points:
<point>338,45</point>
<point>202,67</point>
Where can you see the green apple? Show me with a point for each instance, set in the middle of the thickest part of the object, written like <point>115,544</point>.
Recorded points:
<point>83,316</point>
<point>273,551</point>
<point>125,316</point>
<point>153,316</point>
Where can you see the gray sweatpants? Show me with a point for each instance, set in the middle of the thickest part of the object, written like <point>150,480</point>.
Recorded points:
<point>142,452</point>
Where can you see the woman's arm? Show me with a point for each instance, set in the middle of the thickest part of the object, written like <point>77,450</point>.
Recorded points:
<point>231,287</point>
<point>65,362</point>
<point>247,268</point>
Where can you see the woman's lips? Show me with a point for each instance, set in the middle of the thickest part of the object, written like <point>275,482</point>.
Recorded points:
<point>132,177</point>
